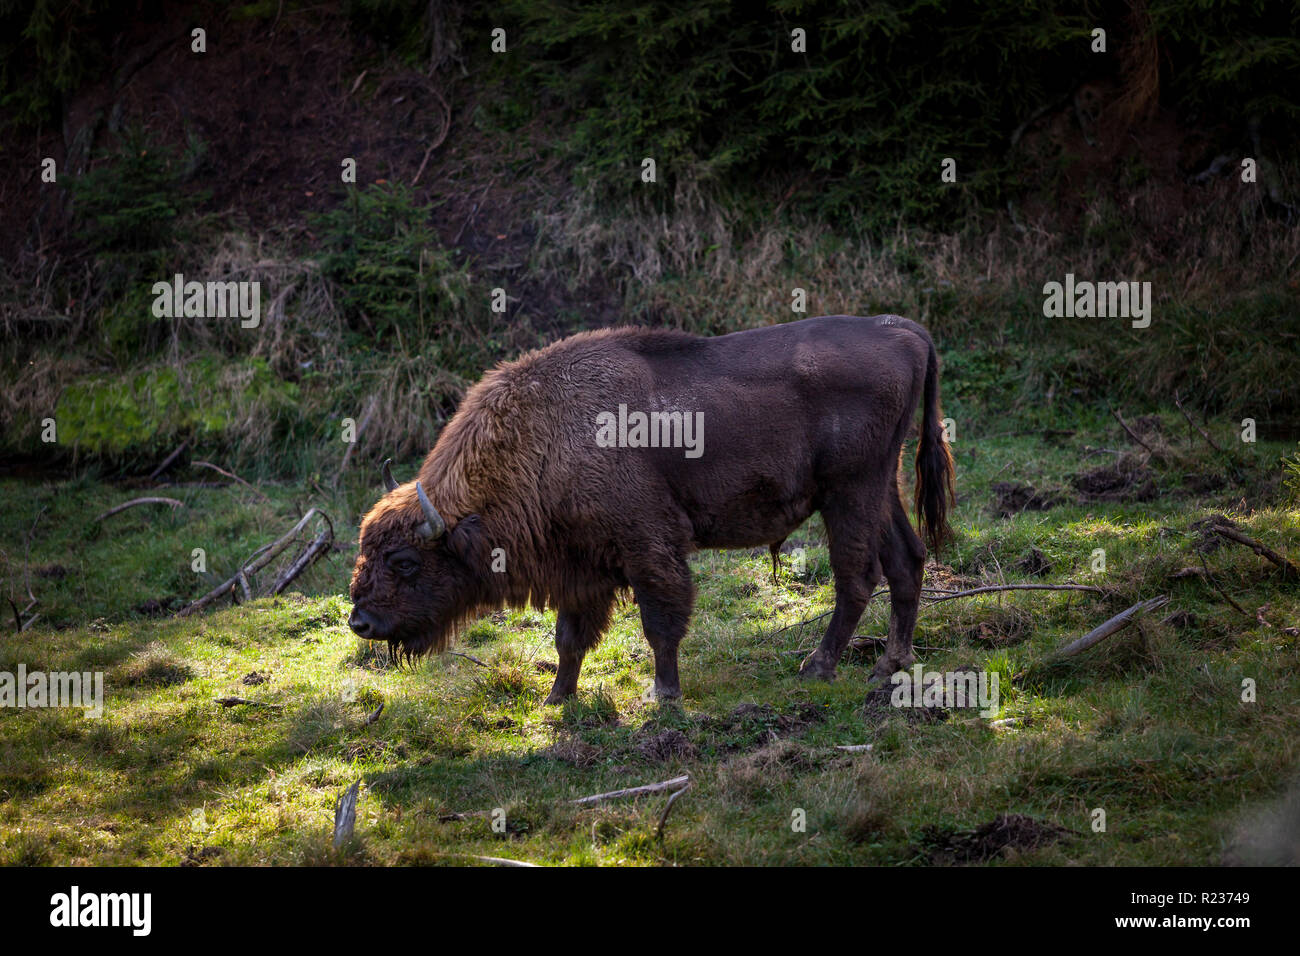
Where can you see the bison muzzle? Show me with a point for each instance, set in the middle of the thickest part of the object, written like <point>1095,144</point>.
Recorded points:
<point>603,461</point>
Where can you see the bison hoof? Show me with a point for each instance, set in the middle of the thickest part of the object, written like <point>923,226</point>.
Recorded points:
<point>886,668</point>
<point>557,697</point>
<point>657,693</point>
<point>814,669</point>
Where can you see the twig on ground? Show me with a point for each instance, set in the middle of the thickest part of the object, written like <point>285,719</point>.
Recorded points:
<point>1215,584</point>
<point>231,475</point>
<point>167,462</point>
<point>1224,529</point>
<point>471,658</point>
<point>140,501</point>
<point>262,557</point>
<point>676,783</point>
<point>345,815</point>
<point>1204,434</point>
<point>356,439</point>
<point>1117,623</point>
<point>1128,431</point>
<point>244,701</point>
<point>311,554</point>
<point>663,817</point>
<point>855,748</point>
<point>1014,587</point>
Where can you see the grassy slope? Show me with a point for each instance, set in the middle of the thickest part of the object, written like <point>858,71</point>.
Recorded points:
<point>1148,726</point>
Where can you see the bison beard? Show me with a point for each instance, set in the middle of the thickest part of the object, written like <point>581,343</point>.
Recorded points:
<point>520,503</point>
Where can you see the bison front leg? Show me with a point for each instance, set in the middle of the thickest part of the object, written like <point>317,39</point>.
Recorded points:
<point>576,632</point>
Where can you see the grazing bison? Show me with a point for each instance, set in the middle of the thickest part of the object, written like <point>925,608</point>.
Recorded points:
<point>602,461</point>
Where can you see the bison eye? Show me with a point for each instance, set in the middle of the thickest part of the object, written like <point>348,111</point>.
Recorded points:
<point>404,563</point>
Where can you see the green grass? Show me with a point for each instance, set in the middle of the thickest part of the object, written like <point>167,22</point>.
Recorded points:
<point>1148,726</point>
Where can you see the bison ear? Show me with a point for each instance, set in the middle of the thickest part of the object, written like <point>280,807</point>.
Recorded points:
<point>468,543</point>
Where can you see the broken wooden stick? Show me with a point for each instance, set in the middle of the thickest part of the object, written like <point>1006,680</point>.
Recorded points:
<point>229,474</point>
<point>1225,529</point>
<point>1012,587</point>
<point>1117,623</point>
<point>1128,431</point>
<point>262,557</point>
<point>244,701</point>
<point>313,552</point>
<point>676,783</point>
<point>140,501</point>
<point>855,748</point>
<point>663,817</point>
<point>1204,434</point>
<point>167,462</point>
<point>1222,593</point>
<point>345,815</point>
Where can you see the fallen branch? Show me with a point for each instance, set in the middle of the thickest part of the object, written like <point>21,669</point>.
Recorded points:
<point>676,783</point>
<point>167,462</point>
<point>1222,593</point>
<point>663,817</point>
<point>855,748</point>
<point>244,701</point>
<point>230,474</point>
<point>345,815</point>
<point>1013,587</point>
<point>141,501</point>
<point>356,440</point>
<point>471,658</point>
<point>1128,431</point>
<point>1117,623</point>
<point>1225,530</point>
<point>1204,434</point>
<point>262,557</point>
<point>320,546</point>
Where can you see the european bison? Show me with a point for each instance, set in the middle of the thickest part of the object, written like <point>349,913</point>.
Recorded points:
<point>602,461</point>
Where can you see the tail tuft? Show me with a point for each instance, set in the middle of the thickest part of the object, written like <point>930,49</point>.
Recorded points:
<point>934,469</point>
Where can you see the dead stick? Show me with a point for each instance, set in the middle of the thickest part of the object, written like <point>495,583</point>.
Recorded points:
<point>140,501</point>
<point>1204,434</point>
<point>674,784</point>
<point>471,658</point>
<point>267,552</point>
<point>1128,431</point>
<point>1117,623</point>
<point>167,462</point>
<point>310,555</point>
<point>1224,594</point>
<point>1014,587</point>
<point>356,440</point>
<point>229,474</point>
<point>238,701</point>
<point>663,817</point>
<point>1232,534</point>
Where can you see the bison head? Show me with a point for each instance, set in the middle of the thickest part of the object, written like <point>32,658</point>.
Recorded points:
<point>415,579</point>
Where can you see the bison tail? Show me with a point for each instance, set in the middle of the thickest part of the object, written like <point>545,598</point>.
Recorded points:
<point>934,470</point>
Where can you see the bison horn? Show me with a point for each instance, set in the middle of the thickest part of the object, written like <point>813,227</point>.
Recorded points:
<point>433,525</point>
<point>389,481</point>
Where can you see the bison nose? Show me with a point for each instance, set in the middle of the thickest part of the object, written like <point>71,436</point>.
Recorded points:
<point>361,623</point>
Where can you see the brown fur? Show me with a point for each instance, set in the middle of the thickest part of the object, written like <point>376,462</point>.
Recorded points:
<point>801,417</point>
